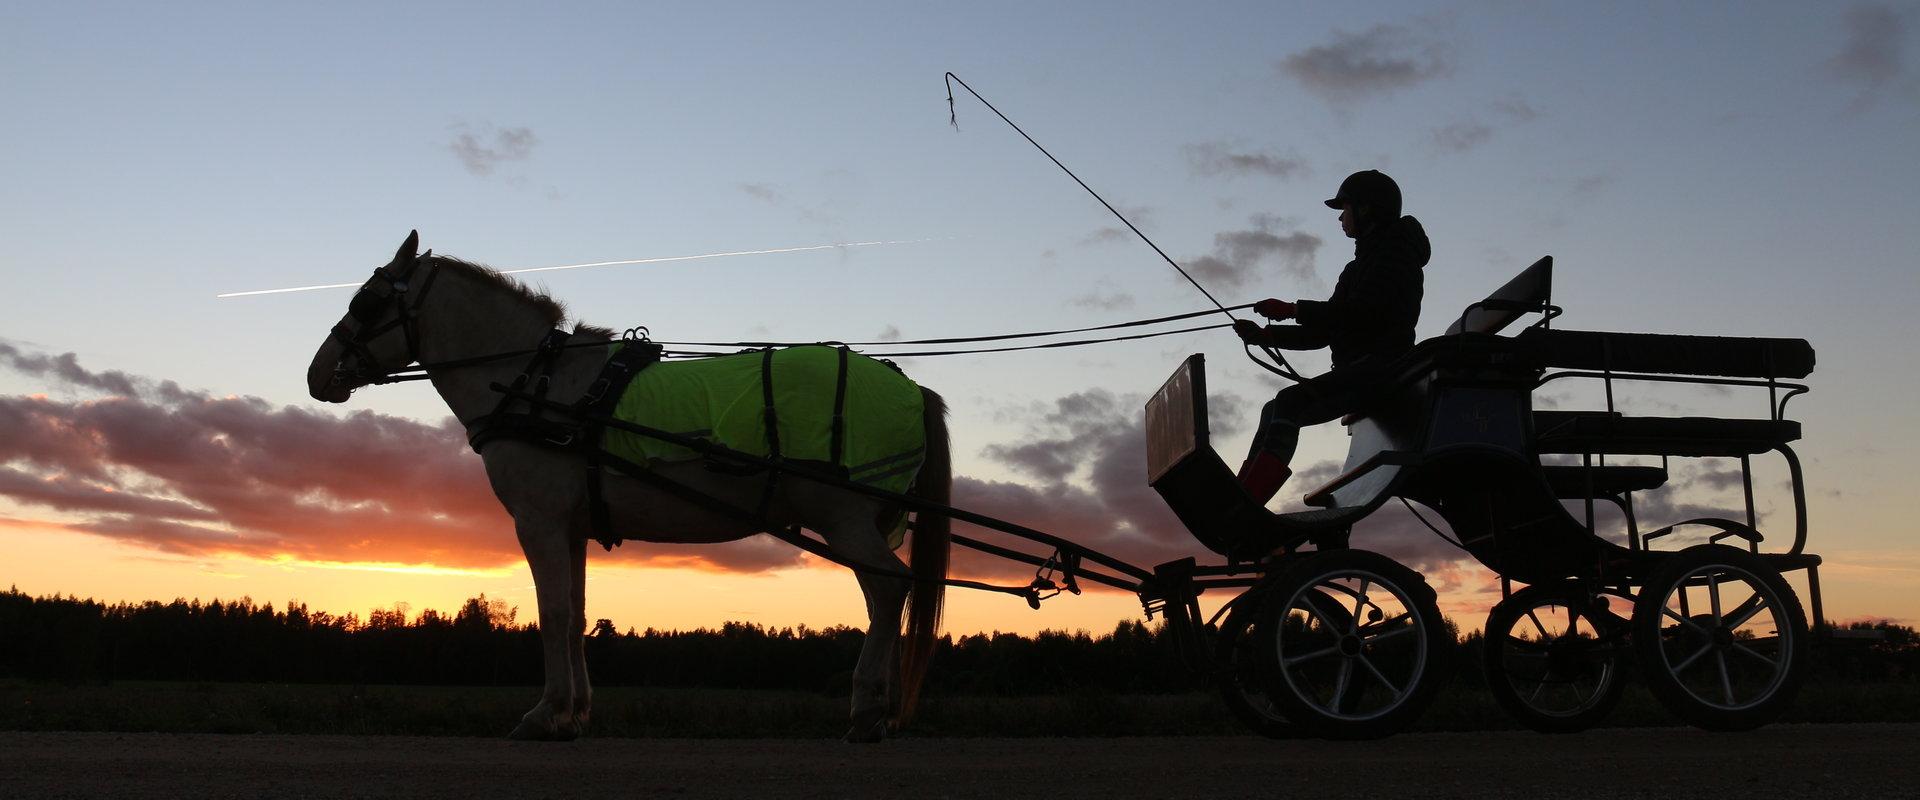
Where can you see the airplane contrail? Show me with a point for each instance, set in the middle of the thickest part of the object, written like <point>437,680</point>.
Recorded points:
<point>656,260</point>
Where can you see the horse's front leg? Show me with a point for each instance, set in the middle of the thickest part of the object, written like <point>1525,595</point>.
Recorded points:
<point>545,542</point>
<point>576,634</point>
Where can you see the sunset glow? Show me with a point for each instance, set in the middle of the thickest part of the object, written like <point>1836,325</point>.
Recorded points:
<point>1692,171</point>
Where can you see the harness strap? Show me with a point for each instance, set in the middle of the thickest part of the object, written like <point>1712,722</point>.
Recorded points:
<point>838,433</point>
<point>772,419</point>
<point>530,424</point>
<point>598,404</point>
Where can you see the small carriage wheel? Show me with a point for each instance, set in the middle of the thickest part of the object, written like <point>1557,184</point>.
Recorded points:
<point>1721,638</point>
<point>1353,642</point>
<point>1555,657</point>
<point>1244,678</point>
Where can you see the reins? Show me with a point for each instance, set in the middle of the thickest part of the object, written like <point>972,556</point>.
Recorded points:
<point>419,371</point>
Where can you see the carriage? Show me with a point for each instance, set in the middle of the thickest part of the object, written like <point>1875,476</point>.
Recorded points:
<point>1319,638</point>
<point>1346,643</point>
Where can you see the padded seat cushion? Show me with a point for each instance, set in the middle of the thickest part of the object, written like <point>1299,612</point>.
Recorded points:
<point>1671,354</point>
<point>1602,432</point>
<point>1570,482</point>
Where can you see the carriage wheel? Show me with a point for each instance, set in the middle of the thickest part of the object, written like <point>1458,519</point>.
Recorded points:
<point>1721,638</point>
<point>1352,643</point>
<point>1555,657</point>
<point>1245,678</point>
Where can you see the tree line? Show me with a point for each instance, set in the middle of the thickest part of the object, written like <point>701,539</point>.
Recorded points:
<point>68,639</point>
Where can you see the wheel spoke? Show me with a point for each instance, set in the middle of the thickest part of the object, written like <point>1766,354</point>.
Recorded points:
<point>1359,602</point>
<point>1713,594</point>
<point>1381,637</point>
<point>1705,649</point>
<point>1726,681</point>
<point>1573,621</point>
<point>1761,657</point>
<point>1379,676</point>
<point>1340,683</point>
<point>1745,611</point>
<point>1683,620</point>
<point>1315,600</point>
<point>1310,656</point>
<point>1388,623</point>
<point>1544,635</point>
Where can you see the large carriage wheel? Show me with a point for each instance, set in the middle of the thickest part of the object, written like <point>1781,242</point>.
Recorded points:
<point>1353,644</point>
<point>1721,638</point>
<point>1555,657</point>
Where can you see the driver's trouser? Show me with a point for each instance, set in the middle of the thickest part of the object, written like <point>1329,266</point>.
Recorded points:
<point>1325,398</point>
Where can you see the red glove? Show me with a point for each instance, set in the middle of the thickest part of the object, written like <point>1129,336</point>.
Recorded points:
<point>1250,331</point>
<point>1274,309</point>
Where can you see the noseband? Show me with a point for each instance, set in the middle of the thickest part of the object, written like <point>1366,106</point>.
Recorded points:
<point>385,289</point>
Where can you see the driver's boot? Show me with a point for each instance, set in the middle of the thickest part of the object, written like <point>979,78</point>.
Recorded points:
<point>1263,475</point>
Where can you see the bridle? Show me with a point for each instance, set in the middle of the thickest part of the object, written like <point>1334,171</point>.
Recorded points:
<point>386,289</point>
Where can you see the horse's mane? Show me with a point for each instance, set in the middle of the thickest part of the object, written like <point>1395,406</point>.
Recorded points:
<point>554,310</point>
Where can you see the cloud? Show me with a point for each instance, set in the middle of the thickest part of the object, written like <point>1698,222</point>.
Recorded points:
<point>891,333</point>
<point>1871,59</point>
<point>150,464</point>
<point>1140,216</point>
<point>483,151</point>
<point>1216,159</point>
<point>780,198</point>
<point>1104,297</point>
<point>1460,136</point>
<point>1242,256</point>
<point>1471,132</point>
<point>1376,61</point>
<point>1087,451</point>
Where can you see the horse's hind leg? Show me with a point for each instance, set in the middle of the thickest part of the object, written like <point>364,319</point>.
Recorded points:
<point>856,540</point>
<point>576,634</point>
<point>545,543</point>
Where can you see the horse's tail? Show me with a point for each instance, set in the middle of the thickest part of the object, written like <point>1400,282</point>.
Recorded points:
<point>932,539</point>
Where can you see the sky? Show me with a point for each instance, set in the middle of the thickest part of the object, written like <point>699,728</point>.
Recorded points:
<point>1714,168</point>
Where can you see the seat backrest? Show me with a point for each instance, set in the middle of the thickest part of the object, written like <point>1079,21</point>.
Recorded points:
<point>1528,292</point>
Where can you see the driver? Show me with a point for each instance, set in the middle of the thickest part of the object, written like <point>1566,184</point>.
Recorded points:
<point>1367,323</point>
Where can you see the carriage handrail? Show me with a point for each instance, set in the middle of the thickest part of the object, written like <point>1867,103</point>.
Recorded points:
<point>1777,409</point>
<point>1384,458</point>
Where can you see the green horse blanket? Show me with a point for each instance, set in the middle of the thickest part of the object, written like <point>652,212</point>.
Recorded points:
<point>882,438</point>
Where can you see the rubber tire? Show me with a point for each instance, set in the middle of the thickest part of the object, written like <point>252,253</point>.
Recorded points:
<point>1240,666</point>
<point>1647,622</point>
<point>1501,619</point>
<point>1420,601</point>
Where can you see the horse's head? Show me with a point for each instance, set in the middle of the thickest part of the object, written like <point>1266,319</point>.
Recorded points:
<point>379,334</point>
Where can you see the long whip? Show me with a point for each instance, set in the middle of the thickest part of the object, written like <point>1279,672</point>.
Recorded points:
<point>953,118</point>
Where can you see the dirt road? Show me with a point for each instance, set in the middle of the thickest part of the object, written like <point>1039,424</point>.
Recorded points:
<point>1779,761</point>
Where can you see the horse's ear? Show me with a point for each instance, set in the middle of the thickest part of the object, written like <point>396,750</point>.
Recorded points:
<point>408,248</point>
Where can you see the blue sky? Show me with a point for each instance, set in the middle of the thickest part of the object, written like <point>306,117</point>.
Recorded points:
<point>1727,168</point>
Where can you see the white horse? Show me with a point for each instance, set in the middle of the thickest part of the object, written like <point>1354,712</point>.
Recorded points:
<point>432,309</point>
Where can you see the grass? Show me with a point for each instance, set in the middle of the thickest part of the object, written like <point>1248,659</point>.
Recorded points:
<point>715,713</point>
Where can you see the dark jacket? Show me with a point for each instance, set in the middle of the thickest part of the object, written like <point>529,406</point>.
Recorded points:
<point>1375,303</point>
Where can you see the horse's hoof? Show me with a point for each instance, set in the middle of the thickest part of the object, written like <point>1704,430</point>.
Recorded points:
<point>867,734</point>
<point>528,732</point>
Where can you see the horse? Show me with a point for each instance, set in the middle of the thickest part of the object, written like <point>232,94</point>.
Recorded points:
<point>450,316</point>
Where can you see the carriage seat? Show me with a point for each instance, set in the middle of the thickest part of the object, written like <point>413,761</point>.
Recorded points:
<point>1671,354</point>
<point>1609,432</point>
<point>1571,482</point>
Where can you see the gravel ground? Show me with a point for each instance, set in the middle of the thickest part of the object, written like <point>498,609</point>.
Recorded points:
<point>1778,761</point>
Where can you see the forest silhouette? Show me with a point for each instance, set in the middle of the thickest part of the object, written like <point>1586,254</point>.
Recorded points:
<point>74,640</point>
